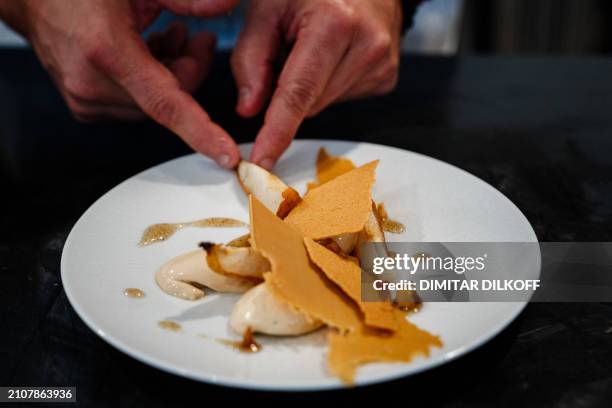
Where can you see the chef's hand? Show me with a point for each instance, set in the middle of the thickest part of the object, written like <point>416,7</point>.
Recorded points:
<point>95,54</point>
<point>342,49</point>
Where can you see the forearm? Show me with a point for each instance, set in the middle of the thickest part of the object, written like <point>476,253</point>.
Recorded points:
<point>14,14</point>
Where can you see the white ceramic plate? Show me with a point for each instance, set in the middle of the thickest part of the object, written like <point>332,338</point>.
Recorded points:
<point>436,201</point>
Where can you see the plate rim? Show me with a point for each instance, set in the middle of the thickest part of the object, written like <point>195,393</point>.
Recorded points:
<point>232,382</point>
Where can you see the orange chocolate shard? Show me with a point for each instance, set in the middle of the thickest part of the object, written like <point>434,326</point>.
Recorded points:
<point>295,279</point>
<point>347,275</point>
<point>339,206</point>
<point>347,351</point>
<point>330,167</point>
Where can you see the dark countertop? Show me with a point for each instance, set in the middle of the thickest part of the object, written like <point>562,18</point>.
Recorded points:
<point>538,129</point>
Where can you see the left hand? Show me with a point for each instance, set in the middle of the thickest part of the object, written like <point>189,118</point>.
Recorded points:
<point>342,49</point>
<point>103,68</point>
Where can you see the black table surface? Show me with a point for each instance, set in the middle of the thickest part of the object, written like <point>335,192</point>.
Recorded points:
<point>539,129</point>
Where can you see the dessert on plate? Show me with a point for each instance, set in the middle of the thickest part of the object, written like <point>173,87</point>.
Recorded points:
<point>299,267</point>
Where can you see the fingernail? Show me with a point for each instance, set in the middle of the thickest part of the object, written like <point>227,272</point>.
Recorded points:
<point>223,160</point>
<point>244,96</point>
<point>267,163</point>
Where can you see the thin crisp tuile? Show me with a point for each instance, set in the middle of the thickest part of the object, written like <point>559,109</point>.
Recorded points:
<point>339,206</point>
<point>294,277</point>
<point>347,275</point>
<point>342,205</point>
<point>330,167</point>
<point>347,351</point>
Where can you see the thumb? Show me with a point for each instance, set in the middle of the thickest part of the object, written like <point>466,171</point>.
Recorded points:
<point>199,8</point>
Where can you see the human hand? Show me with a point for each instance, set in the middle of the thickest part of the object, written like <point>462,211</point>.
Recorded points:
<point>342,49</point>
<point>94,52</point>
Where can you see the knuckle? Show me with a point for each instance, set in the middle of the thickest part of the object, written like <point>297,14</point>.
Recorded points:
<point>342,18</point>
<point>299,95</point>
<point>77,87</point>
<point>95,52</point>
<point>162,110</point>
<point>98,48</point>
<point>380,46</point>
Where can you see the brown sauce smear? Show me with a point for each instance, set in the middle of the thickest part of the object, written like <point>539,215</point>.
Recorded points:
<point>161,232</point>
<point>246,345</point>
<point>240,242</point>
<point>169,325</point>
<point>388,224</point>
<point>407,301</point>
<point>134,293</point>
<point>407,307</point>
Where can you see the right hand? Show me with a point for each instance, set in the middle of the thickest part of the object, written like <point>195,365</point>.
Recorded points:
<point>94,52</point>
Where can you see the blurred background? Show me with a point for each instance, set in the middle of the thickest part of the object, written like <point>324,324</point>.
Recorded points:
<point>448,27</point>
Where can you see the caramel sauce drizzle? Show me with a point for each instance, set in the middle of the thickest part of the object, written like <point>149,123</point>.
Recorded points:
<point>240,242</point>
<point>169,325</point>
<point>134,293</point>
<point>407,301</point>
<point>388,224</point>
<point>407,307</point>
<point>246,345</point>
<point>161,232</point>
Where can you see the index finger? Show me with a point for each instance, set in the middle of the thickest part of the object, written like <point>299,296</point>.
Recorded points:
<point>158,93</point>
<point>317,52</point>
